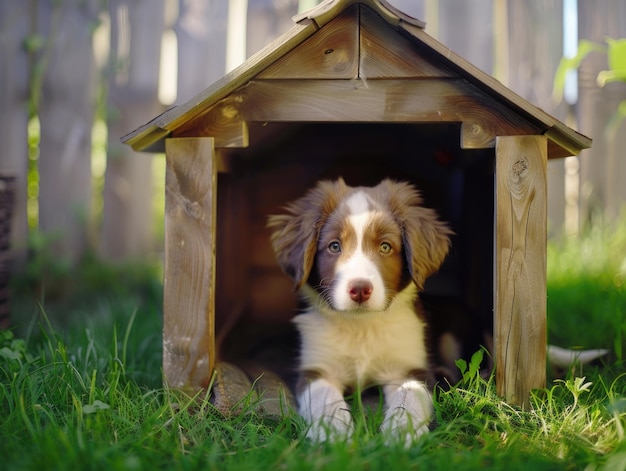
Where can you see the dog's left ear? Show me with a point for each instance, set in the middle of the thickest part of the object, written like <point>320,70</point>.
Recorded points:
<point>426,239</point>
<point>295,234</point>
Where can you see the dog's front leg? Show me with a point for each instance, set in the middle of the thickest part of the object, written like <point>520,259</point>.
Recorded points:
<point>409,410</point>
<point>322,405</point>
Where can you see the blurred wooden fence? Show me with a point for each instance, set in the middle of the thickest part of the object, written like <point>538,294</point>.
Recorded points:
<point>70,58</point>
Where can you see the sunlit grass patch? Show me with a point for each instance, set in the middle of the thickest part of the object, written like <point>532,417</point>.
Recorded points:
<point>76,407</point>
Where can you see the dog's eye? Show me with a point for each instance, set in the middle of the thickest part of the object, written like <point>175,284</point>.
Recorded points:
<point>334,247</point>
<point>385,247</point>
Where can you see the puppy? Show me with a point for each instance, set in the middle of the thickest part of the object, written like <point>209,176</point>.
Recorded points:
<point>359,256</point>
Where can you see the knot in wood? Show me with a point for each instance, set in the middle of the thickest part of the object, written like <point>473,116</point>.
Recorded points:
<point>476,130</point>
<point>229,112</point>
<point>193,209</point>
<point>520,167</point>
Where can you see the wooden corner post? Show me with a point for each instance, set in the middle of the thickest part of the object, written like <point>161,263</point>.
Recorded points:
<point>189,278</point>
<point>520,266</point>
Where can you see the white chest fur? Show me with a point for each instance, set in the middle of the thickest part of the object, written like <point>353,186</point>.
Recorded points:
<point>359,349</point>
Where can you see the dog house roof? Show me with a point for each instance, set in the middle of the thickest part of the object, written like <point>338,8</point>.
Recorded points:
<point>357,61</point>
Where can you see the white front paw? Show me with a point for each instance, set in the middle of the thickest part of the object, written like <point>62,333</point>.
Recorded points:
<point>400,425</point>
<point>334,425</point>
<point>409,411</point>
<point>322,405</point>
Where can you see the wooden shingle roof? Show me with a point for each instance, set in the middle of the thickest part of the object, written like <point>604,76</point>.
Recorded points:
<point>357,61</point>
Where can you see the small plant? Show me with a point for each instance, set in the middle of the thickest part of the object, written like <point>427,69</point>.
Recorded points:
<point>471,372</point>
<point>576,386</point>
<point>13,353</point>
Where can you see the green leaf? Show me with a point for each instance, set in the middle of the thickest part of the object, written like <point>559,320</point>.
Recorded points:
<point>605,76</point>
<point>571,63</point>
<point>616,55</point>
<point>477,359</point>
<point>95,407</point>
<point>461,365</point>
<point>34,43</point>
<point>9,354</point>
<point>5,336</point>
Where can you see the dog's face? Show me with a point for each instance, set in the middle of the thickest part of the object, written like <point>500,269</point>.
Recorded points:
<point>357,247</point>
<point>359,263</point>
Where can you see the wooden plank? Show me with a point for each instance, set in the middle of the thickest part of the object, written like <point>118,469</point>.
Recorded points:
<point>394,100</point>
<point>331,53</point>
<point>223,123</point>
<point>474,134</point>
<point>189,281</point>
<point>520,266</point>
<point>386,53</point>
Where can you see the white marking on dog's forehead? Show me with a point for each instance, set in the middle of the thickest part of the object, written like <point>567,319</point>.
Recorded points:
<point>358,203</point>
<point>360,214</point>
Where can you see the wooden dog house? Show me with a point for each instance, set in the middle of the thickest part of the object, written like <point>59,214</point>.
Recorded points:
<point>355,89</point>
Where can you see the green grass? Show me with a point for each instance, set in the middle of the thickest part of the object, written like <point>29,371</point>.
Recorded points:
<point>80,388</point>
<point>587,291</point>
<point>76,407</point>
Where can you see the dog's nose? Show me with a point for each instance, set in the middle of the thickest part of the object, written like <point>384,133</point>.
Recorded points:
<point>360,290</point>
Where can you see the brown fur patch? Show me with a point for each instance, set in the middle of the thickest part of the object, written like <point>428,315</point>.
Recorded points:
<point>336,230</point>
<point>383,229</point>
<point>426,239</point>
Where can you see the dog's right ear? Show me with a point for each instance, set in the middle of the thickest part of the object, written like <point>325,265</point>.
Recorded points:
<point>426,239</point>
<point>295,234</point>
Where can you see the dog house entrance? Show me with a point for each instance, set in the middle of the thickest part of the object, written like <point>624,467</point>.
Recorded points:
<point>255,300</point>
